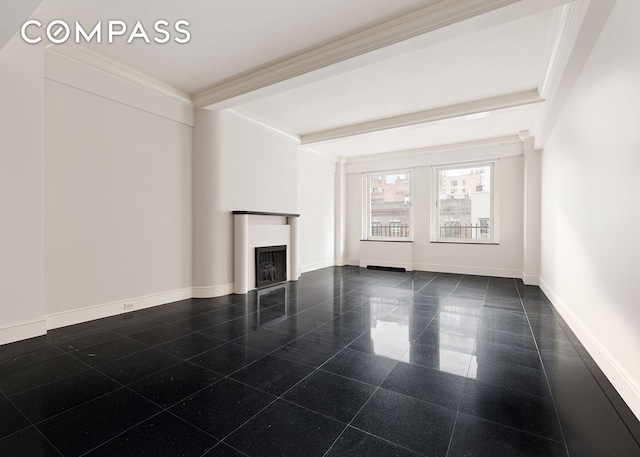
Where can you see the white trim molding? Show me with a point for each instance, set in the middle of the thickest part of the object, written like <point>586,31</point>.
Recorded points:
<point>465,270</point>
<point>530,280</point>
<point>318,266</point>
<point>77,316</point>
<point>573,46</point>
<point>122,72</point>
<point>624,383</point>
<point>262,123</point>
<point>527,98</point>
<point>212,291</point>
<point>22,331</point>
<point>83,70</point>
<point>436,16</point>
<point>475,151</point>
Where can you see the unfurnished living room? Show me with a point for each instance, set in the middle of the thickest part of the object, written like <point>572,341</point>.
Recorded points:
<point>337,228</point>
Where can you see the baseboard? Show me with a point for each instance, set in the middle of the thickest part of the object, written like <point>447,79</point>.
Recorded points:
<point>530,280</point>
<point>318,266</point>
<point>77,316</point>
<point>624,383</point>
<point>212,291</point>
<point>22,331</point>
<point>384,263</point>
<point>464,270</point>
<point>351,262</point>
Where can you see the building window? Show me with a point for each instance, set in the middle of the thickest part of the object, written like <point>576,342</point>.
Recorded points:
<point>468,216</point>
<point>388,213</point>
<point>454,183</point>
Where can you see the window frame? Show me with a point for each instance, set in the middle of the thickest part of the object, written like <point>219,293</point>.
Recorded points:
<point>494,227</point>
<point>367,220</point>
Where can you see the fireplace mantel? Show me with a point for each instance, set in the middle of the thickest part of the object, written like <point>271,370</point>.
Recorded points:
<point>253,229</point>
<point>262,213</point>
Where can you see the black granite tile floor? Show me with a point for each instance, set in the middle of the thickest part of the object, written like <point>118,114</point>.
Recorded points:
<point>345,362</point>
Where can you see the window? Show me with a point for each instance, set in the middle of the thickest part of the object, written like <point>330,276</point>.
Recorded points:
<point>388,214</point>
<point>468,216</point>
<point>454,183</point>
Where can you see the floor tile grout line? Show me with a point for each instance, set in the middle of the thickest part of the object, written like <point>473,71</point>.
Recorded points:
<point>297,337</point>
<point>363,405</point>
<point>544,370</point>
<point>455,422</point>
<point>378,438</point>
<point>624,422</point>
<point>286,344</point>
<point>90,368</point>
<point>121,433</point>
<point>31,424</point>
<point>252,387</point>
<point>453,431</point>
<point>94,368</point>
<point>280,397</point>
<point>353,418</point>
<point>538,435</point>
<point>162,410</point>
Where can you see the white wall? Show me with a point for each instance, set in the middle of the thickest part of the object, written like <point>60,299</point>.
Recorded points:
<point>590,208</point>
<point>239,166</point>
<point>118,194</point>
<point>14,13</point>
<point>504,259</point>
<point>21,175</point>
<point>317,211</point>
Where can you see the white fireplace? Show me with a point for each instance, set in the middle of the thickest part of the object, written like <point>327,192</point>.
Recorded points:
<point>254,229</point>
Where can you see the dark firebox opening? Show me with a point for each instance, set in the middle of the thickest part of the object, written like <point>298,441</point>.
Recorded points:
<point>271,265</point>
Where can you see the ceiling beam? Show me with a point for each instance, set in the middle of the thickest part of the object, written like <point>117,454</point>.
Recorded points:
<point>525,98</point>
<point>439,15</point>
<point>438,23</point>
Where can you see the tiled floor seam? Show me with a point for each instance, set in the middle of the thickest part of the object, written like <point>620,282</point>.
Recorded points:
<point>455,422</point>
<point>546,376</point>
<point>277,397</point>
<point>34,425</point>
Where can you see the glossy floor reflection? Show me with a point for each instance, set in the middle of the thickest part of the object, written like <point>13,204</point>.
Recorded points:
<point>344,362</point>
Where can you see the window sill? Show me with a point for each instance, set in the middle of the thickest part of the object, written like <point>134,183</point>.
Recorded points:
<point>389,241</point>
<point>466,242</point>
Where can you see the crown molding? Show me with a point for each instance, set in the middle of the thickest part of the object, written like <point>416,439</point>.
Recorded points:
<point>408,153</point>
<point>561,30</point>
<point>491,104</point>
<point>327,157</point>
<point>433,17</point>
<point>261,122</point>
<point>581,31</point>
<point>105,65</point>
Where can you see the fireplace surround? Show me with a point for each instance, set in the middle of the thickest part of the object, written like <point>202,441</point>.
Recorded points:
<point>255,229</point>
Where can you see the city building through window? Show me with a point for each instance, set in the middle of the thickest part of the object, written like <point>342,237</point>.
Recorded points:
<point>388,215</point>
<point>467,216</point>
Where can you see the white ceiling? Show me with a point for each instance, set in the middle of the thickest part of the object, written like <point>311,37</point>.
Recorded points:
<point>229,37</point>
<point>475,66</point>
<point>409,94</point>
